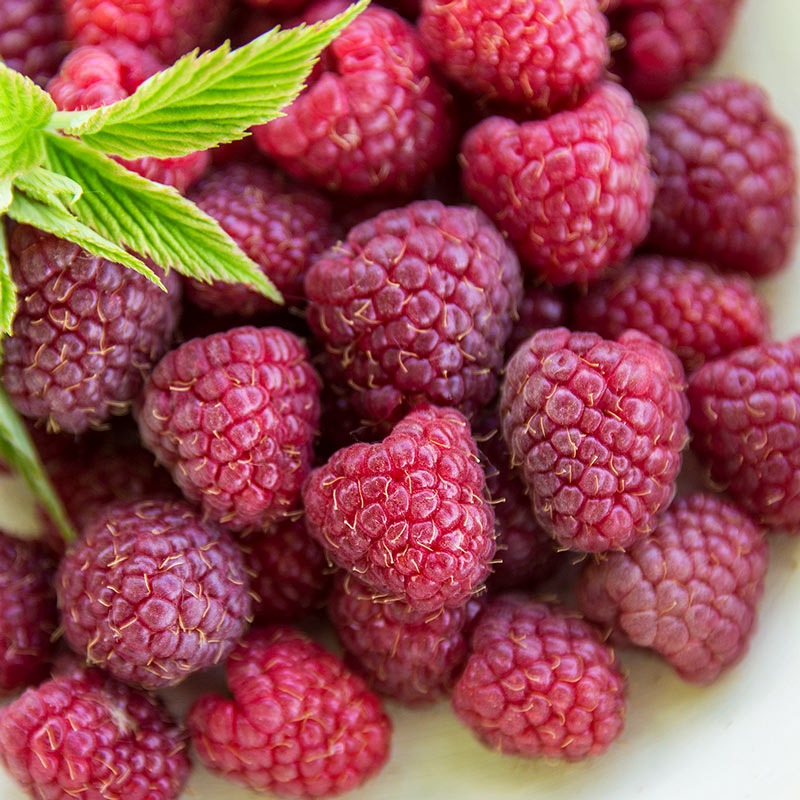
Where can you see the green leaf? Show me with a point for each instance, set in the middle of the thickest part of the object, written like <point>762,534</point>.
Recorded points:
<point>6,193</point>
<point>207,99</point>
<point>18,451</point>
<point>8,290</point>
<point>56,220</point>
<point>49,187</point>
<point>151,219</point>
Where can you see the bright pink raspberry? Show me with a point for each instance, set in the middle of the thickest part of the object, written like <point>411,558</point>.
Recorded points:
<point>32,38</point>
<point>684,305</point>
<point>84,735</point>
<point>373,116</point>
<point>300,724</point>
<point>690,591</point>
<point>540,682</point>
<point>542,54</point>
<point>727,179</point>
<point>408,515</point>
<point>573,192</point>
<point>597,427</point>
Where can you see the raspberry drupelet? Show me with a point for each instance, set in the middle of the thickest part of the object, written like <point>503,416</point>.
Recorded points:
<point>300,724</point>
<point>32,37</point>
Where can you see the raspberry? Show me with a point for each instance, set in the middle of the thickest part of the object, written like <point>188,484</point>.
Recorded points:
<point>373,116</point>
<point>86,736</point>
<point>29,617</point>
<point>300,723</point>
<point>746,431</point>
<point>278,225</point>
<point>232,416</point>
<point>416,305</point>
<point>97,76</point>
<point>667,42</point>
<point>167,28</point>
<point>408,515</point>
<point>598,427</point>
<point>32,37</point>
<point>573,192</point>
<point>540,308</point>
<point>408,656</point>
<point>540,682</point>
<point>279,6</point>
<point>152,593</point>
<point>85,333</point>
<point>683,305</point>
<point>727,179</point>
<point>290,572</point>
<point>542,54</point>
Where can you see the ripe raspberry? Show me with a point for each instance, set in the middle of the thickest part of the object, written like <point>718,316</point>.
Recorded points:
<point>598,427</point>
<point>279,225</point>
<point>416,305</point>
<point>540,308</point>
<point>667,42</point>
<point>29,617</point>
<point>152,593</point>
<point>727,179</point>
<point>542,54</point>
<point>573,192</point>
<point>232,416</point>
<point>408,515</point>
<point>746,430</point>
<point>86,736</point>
<point>408,656</point>
<point>290,574</point>
<point>372,118</point>
<point>683,305</point>
<point>86,331</point>
<point>300,723</point>
<point>540,682</point>
<point>32,37</point>
<point>166,28</point>
<point>279,6</point>
<point>91,77</point>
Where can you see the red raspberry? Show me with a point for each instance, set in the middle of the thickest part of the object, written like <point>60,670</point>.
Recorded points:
<point>290,573</point>
<point>416,305</point>
<point>542,54</point>
<point>300,723</point>
<point>232,416</point>
<point>540,308</point>
<point>408,656</point>
<point>683,305</point>
<point>598,427</point>
<point>667,42</point>
<point>746,429</point>
<point>29,617</point>
<point>279,6</point>
<point>152,593</point>
<point>32,37</point>
<point>573,191</point>
<point>86,736</point>
<point>277,224</point>
<point>540,682</point>
<point>373,116</point>
<point>408,515</point>
<point>167,28</point>
<point>91,77</point>
<point>85,333</point>
<point>727,179</point>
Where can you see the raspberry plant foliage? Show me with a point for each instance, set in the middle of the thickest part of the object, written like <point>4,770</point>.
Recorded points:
<point>57,175</point>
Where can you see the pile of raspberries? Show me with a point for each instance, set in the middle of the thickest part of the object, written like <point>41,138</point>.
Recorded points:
<point>512,303</point>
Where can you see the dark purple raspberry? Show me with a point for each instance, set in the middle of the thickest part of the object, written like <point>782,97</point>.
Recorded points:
<point>232,416</point>
<point>373,117</point>
<point>85,334</point>
<point>415,306</point>
<point>32,39</point>
<point>540,682</point>
<point>542,54</point>
<point>280,226</point>
<point>684,305</point>
<point>727,179</point>
<point>87,736</point>
<point>540,308</point>
<point>597,427</point>
<point>573,192</point>
<point>152,593</point>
